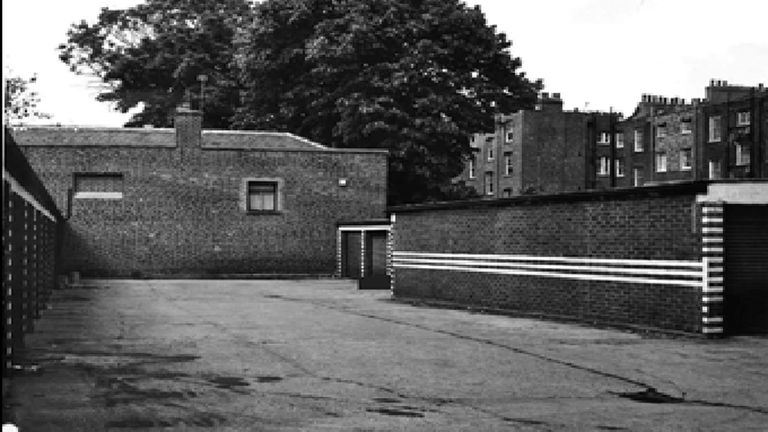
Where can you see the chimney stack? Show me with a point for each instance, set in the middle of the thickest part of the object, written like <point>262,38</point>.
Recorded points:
<point>188,124</point>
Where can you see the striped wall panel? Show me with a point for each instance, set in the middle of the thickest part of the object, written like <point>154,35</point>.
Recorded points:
<point>713,262</point>
<point>656,272</point>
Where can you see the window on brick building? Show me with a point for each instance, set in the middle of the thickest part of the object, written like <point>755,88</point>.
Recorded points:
<point>743,118</point>
<point>637,177</point>
<point>489,150</point>
<point>661,162</point>
<point>262,196</point>
<point>742,154</point>
<point>98,186</point>
<point>489,183</point>
<point>604,166</point>
<point>686,127</point>
<point>715,128</point>
<point>715,168</point>
<point>619,139</point>
<point>686,159</point>
<point>472,173</point>
<point>661,130</point>
<point>508,163</point>
<point>638,140</point>
<point>619,167</point>
<point>604,138</point>
<point>510,134</point>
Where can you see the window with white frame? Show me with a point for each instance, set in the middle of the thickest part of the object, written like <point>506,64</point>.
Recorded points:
<point>715,128</point>
<point>603,166</point>
<point>489,150</point>
<point>715,168</point>
<point>472,173</point>
<point>742,154</point>
<point>637,177</point>
<point>510,136</point>
<point>686,158</point>
<point>661,162</point>
<point>262,196</point>
<point>508,163</point>
<point>489,183</point>
<point>686,127</point>
<point>604,138</point>
<point>661,130</point>
<point>619,139</point>
<point>619,167</point>
<point>743,118</point>
<point>638,140</point>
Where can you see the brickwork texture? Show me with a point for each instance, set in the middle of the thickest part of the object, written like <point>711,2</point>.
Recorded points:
<point>182,206</point>
<point>642,226</point>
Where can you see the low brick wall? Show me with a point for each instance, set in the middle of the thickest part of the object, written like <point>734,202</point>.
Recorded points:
<point>627,257</point>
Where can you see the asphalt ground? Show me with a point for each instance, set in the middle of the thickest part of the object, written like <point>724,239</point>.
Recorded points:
<point>320,355</point>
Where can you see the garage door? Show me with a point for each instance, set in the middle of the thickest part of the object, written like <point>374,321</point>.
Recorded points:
<point>746,269</point>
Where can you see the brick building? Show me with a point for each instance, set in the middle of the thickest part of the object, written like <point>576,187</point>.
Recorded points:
<point>545,150</point>
<point>548,150</point>
<point>184,201</point>
<point>684,257</point>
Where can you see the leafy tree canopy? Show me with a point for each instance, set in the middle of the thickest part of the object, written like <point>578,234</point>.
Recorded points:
<point>412,76</point>
<point>154,54</point>
<point>416,77</point>
<point>21,99</point>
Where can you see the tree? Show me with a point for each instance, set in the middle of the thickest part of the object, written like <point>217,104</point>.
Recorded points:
<point>416,77</point>
<point>20,99</point>
<point>154,54</point>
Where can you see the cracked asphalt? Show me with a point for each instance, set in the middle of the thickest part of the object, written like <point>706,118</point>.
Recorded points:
<point>319,355</point>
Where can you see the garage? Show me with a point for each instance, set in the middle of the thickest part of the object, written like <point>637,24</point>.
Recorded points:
<point>746,269</point>
<point>363,252</point>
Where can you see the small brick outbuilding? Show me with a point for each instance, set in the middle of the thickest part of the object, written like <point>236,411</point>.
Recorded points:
<point>192,202</point>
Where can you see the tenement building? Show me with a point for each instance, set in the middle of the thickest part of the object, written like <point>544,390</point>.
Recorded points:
<point>548,150</point>
<point>187,201</point>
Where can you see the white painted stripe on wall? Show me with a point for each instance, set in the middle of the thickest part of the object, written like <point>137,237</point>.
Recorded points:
<point>708,249</point>
<point>713,289</point>
<point>712,320</point>
<point>707,239</point>
<point>715,270</point>
<point>577,276</point>
<point>712,220</point>
<point>19,190</point>
<point>712,209</point>
<point>583,269</point>
<point>712,299</point>
<point>632,262</point>
<point>712,329</point>
<point>712,230</point>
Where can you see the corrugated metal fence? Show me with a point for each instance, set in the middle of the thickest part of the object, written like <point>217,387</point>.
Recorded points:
<point>31,233</point>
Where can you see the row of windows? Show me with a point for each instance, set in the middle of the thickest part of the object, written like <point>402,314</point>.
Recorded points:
<point>261,195</point>
<point>508,165</point>
<point>743,118</point>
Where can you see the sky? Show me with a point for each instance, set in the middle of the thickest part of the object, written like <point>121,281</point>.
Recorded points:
<point>599,54</point>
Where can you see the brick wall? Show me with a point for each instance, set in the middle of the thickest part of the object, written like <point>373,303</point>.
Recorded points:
<point>181,207</point>
<point>641,225</point>
<point>30,249</point>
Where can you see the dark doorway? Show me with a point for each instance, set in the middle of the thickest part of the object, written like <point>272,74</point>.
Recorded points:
<point>746,269</point>
<point>351,256</point>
